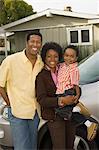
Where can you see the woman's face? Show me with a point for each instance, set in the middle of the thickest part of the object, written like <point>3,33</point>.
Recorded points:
<point>52,59</point>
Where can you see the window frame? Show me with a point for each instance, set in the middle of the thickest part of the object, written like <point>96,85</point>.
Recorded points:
<point>79,29</point>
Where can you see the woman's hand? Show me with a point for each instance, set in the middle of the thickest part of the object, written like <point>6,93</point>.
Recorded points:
<point>67,100</point>
<point>76,98</point>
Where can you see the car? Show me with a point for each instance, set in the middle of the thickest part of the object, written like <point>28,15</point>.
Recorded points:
<point>89,83</point>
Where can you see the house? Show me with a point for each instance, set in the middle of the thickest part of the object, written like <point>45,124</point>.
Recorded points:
<point>6,43</point>
<point>8,40</point>
<point>62,26</point>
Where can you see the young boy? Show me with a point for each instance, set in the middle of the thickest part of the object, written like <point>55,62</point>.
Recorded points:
<point>68,84</point>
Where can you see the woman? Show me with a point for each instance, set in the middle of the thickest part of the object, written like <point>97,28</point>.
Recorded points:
<point>62,131</point>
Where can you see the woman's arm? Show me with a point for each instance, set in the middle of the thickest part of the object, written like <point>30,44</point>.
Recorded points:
<point>42,95</point>
<point>49,101</point>
<point>78,93</point>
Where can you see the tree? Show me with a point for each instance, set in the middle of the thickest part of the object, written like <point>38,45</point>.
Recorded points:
<point>13,10</point>
<point>2,13</point>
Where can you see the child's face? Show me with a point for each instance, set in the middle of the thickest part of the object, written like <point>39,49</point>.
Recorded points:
<point>70,56</point>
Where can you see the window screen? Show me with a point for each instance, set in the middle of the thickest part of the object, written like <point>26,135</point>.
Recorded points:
<point>85,36</point>
<point>73,36</point>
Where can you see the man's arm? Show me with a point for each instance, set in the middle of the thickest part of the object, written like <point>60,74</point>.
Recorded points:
<point>4,95</point>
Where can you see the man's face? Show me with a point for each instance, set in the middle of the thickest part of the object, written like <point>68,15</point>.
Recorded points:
<point>34,44</point>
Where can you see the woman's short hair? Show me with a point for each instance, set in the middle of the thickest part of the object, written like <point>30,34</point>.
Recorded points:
<point>51,45</point>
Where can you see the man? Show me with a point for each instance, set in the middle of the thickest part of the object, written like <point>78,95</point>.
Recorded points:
<point>18,72</point>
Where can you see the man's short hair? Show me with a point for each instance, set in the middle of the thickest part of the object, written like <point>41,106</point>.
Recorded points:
<point>34,33</point>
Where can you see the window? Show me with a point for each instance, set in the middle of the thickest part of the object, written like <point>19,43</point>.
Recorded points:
<point>85,36</point>
<point>2,43</point>
<point>80,35</point>
<point>74,36</point>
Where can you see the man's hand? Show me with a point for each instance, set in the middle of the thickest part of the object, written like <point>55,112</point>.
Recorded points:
<point>4,96</point>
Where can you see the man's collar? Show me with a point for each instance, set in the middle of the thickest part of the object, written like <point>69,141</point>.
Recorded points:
<point>25,59</point>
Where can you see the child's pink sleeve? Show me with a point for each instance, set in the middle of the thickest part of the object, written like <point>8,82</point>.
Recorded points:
<point>74,75</point>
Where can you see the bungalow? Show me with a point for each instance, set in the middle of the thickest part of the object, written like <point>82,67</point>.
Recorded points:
<point>65,27</point>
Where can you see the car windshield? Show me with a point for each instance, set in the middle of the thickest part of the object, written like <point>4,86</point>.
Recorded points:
<point>89,70</point>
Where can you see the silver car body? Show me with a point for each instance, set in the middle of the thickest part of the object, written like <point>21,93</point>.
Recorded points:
<point>89,81</point>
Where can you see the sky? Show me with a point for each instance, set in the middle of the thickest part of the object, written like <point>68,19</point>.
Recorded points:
<point>84,6</point>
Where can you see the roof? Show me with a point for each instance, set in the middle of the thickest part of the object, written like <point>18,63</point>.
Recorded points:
<point>93,21</point>
<point>8,34</point>
<point>1,30</point>
<point>50,13</point>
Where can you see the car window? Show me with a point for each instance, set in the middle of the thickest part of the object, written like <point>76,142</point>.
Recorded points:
<point>89,70</point>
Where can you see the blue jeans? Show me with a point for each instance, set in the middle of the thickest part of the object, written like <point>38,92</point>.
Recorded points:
<point>24,132</point>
